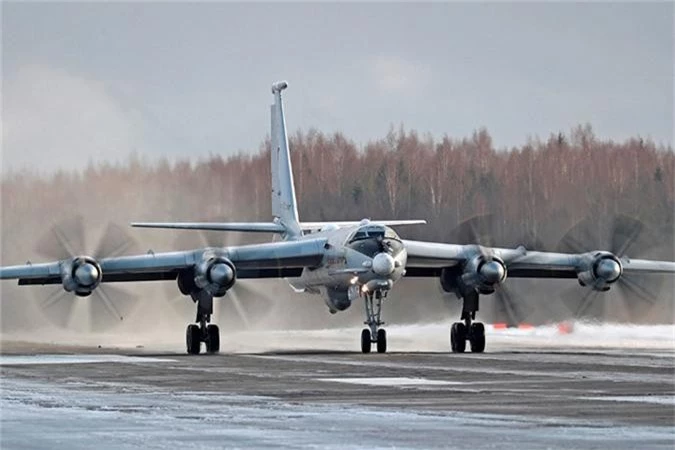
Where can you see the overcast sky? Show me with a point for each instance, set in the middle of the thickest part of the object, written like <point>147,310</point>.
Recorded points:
<point>95,81</point>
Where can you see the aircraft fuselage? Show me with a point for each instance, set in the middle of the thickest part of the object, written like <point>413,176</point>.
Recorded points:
<point>365,258</point>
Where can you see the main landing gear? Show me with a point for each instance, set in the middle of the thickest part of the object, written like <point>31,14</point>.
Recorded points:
<point>474,332</point>
<point>203,331</point>
<point>374,334</point>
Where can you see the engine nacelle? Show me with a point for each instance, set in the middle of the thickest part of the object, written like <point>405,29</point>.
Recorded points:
<point>483,273</point>
<point>215,274</point>
<point>81,275</point>
<point>339,300</point>
<point>600,271</point>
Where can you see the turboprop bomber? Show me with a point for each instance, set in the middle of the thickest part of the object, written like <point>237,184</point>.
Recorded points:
<point>343,262</point>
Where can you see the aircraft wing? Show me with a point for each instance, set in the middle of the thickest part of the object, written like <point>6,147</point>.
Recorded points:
<point>428,259</point>
<point>277,259</point>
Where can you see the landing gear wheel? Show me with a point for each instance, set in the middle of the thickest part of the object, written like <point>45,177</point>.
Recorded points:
<point>193,339</point>
<point>212,339</point>
<point>381,341</point>
<point>365,341</point>
<point>458,337</point>
<point>477,337</point>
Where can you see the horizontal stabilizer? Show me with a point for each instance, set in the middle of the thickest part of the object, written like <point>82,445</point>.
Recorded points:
<point>390,223</point>
<point>253,227</point>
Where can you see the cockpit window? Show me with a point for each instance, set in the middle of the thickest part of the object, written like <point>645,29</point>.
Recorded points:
<point>373,239</point>
<point>372,231</point>
<point>359,235</point>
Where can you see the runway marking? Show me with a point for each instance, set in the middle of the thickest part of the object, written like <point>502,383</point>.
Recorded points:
<point>655,399</point>
<point>20,360</point>
<point>391,381</point>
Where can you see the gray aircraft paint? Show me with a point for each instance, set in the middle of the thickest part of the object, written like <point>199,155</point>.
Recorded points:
<point>284,206</point>
<point>342,267</point>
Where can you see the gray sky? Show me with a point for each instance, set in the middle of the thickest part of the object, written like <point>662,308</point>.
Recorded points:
<point>95,81</point>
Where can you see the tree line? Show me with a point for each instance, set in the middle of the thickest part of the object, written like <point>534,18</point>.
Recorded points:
<point>535,192</point>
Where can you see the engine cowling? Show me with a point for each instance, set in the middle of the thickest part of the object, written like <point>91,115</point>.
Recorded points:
<point>216,275</point>
<point>339,300</point>
<point>601,270</point>
<point>81,275</point>
<point>483,273</point>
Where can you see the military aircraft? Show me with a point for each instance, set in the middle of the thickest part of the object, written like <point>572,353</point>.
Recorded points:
<point>341,261</point>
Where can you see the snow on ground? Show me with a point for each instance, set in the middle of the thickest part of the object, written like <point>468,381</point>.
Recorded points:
<point>72,418</point>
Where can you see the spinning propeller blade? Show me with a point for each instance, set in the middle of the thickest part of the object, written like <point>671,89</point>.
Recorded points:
<point>58,307</point>
<point>626,236</point>
<point>107,306</point>
<point>63,240</point>
<point>111,306</point>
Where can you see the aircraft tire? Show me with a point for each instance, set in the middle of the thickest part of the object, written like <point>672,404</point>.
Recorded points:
<point>477,337</point>
<point>365,341</point>
<point>212,339</point>
<point>458,337</point>
<point>381,341</point>
<point>193,339</point>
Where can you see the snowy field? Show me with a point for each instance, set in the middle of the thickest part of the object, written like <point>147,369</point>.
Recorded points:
<point>36,415</point>
<point>59,400</point>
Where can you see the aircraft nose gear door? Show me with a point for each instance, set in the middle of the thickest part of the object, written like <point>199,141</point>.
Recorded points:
<point>374,334</point>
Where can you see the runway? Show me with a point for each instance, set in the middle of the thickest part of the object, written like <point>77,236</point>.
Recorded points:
<point>525,392</point>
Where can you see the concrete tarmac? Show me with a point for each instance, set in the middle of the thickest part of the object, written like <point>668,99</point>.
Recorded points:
<point>527,397</point>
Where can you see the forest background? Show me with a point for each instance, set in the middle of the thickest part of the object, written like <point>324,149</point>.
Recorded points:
<point>534,193</point>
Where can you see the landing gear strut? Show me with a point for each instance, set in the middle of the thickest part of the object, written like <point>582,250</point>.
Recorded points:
<point>374,334</point>
<point>474,332</point>
<point>203,331</point>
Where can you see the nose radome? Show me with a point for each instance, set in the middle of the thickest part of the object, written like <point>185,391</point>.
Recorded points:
<point>383,264</point>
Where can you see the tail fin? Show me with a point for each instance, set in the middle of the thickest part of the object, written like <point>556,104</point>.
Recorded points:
<point>284,206</point>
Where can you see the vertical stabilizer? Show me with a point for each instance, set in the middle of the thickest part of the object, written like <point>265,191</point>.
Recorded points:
<point>284,206</point>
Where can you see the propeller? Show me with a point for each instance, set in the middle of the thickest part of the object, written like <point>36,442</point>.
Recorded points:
<point>241,301</point>
<point>107,305</point>
<point>625,236</point>
<point>482,230</point>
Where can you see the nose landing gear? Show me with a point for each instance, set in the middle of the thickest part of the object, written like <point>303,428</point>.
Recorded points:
<point>374,334</point>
